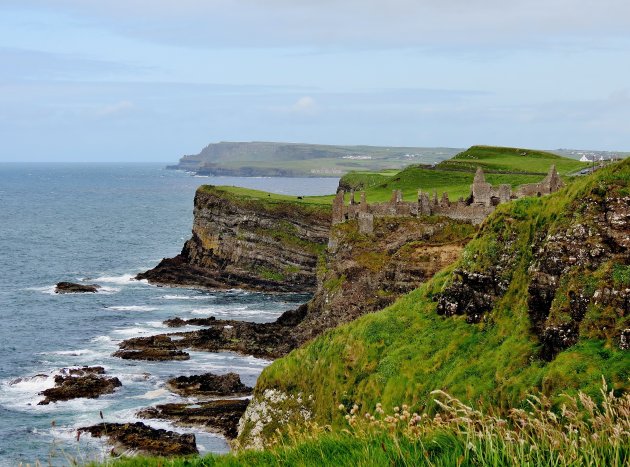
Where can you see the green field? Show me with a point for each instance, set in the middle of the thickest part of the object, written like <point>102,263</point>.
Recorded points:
<point>247,193</point>
<point>453,176</point>
<point>500,159</point>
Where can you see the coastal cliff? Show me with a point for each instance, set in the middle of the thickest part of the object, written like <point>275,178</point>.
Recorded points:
<point>249,242</point>
<point>537,303</point>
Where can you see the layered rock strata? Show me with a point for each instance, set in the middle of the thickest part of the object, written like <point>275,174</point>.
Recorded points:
<point>251,243</point>
<point>359,274</point>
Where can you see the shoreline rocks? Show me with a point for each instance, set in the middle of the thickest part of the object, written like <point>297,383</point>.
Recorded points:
<point>142,439</point>
<point>208,384</point>
<point>71,287</point>
<point>86,382</point>
<point>152,348</point>
<point>218,416</point>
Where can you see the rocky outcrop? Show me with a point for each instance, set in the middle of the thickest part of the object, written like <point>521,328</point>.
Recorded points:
<point>576,261</point>
<point>71,287</point>
<point>219,416</point>
<point>208,384</point>
<point>363,273</point>
<point>152,348</point>
<point>74,383</point>
<point>262,340</point>
<point>598,238</point>
<point>247,242</point>
<point>138,438</point>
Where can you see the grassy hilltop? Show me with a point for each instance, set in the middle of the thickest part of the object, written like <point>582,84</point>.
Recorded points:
<point>502,165</point>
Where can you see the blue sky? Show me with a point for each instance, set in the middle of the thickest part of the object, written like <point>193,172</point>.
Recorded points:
<point>151,80</point>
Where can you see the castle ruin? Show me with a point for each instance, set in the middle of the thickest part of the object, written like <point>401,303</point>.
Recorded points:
<point>482,201</point>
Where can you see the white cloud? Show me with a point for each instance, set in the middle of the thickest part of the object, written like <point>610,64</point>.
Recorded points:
<point>305,106</point>
<point>115,109</point>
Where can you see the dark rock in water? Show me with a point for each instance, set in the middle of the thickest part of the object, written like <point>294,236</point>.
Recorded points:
<point>220,416</point>
<point>143,439</point>
<point>70,287</point>
<point>209,384</point>
<point>152,348</point>
<point>263,340</point>
<point>152,355</point>
<point>80,382</point>
<point>84,370</point>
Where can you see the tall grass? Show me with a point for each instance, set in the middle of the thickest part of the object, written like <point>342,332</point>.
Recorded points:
<point>581,432</point>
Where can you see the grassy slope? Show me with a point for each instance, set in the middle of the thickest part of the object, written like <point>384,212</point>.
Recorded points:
<point>510,160</point>
<point>401,354</point>
<point>456,175</point>
<point>239,194</point>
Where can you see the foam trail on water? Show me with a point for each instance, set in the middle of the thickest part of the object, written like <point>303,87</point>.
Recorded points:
<point>124,279</point>
<point>131,308</point>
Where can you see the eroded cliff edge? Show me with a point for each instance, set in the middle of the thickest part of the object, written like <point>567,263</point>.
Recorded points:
<point>284,246</point>
<point>244,241</point>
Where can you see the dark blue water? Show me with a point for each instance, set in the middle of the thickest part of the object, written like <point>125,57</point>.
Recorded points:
<point>103,224</point>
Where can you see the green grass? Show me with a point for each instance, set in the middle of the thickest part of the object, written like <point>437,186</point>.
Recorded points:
<point>455,183</point>
<point>453,176</point>
<point>583,434</point>
<point>502,159</point>
<point>257,195</point>
<point>502,165</point>
<point>403,353</point>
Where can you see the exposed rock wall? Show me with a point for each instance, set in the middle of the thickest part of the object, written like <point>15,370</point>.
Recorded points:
<point>250,243</point>
<point>578,270</point>
<point>362,273</point>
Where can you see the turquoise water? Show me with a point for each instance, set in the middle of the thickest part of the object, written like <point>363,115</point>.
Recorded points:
<point>103,224</point>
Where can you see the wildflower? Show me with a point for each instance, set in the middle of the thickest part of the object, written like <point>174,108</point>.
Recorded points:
<point>396,409</point>
<point>341,407</point>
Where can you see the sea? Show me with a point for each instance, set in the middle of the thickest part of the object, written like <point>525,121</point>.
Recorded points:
<point>103,224</point>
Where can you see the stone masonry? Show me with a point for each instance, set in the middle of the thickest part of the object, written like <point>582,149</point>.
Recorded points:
<point>482,201</point>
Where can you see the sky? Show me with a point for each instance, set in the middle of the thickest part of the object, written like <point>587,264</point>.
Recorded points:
<point>152,80</point>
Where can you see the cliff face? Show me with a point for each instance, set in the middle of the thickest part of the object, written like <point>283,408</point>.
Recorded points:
<point>250,243</point>
<point>264,244</point>
<point>362,273</point>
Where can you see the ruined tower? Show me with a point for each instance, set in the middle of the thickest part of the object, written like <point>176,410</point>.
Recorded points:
<point>552,181</point>
<point>481,190</point>
<point>338,207</point>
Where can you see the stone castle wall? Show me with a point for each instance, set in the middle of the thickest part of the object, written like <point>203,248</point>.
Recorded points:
<point>482,202</point>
